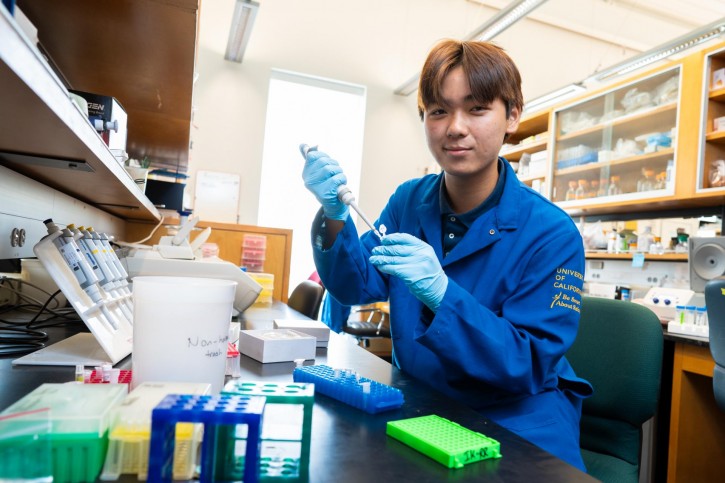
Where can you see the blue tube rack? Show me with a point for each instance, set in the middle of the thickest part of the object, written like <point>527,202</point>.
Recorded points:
<point>350,388</point>
<point>220,415</point>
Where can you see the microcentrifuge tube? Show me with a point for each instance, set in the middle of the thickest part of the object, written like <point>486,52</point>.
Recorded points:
<point>79,372</point>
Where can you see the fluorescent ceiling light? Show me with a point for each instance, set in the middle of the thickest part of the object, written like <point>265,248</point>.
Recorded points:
<point>687,41</point>
<point>553,97</point>
<point>245,11</point>
<point>505,18</point>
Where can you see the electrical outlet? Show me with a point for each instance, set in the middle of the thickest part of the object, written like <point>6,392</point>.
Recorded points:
<point>8,297</point>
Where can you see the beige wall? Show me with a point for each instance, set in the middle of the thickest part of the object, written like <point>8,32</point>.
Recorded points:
<point>379,44</point>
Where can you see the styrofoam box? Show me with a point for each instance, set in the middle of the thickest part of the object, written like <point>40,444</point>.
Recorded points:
<point>315,328</point>
<point>276,345</point>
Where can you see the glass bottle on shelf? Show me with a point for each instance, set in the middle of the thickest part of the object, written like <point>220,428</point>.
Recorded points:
<point>613,188</point>
<point>681,246</point>
<point>593,189</point>
<point>603,186</point>
<point>571,192</point>
<point>660,180</point>
<point>582,189</point>
<point>657,248</point>
<point>647,181</point>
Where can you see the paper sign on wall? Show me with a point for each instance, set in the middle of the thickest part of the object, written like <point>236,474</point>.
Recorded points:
<point>216,197</point>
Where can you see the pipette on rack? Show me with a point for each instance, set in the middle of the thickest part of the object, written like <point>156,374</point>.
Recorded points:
<point>345,195</point>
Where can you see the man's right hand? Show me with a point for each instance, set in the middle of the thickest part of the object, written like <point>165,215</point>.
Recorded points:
<point>323,176</point>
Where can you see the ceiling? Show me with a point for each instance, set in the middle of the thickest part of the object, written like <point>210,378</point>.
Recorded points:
<point>384,42</point>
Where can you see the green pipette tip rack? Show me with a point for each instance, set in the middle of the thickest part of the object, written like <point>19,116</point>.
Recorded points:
<point>447,442</point>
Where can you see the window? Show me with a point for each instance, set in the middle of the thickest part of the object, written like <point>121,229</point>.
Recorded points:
<point>314,111</point>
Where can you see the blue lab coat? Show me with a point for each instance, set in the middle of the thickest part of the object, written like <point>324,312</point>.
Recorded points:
<point>509,314</point>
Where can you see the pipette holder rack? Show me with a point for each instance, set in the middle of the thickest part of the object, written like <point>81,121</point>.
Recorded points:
<point>220,416</point>
<point>447,442</point>
<point>290,467</point>
<point>116,342</point>
<point>350,388</point>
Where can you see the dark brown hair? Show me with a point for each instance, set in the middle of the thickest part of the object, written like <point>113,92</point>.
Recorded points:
<point>490,72</point>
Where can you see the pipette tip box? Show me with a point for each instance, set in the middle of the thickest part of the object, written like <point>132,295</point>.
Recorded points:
<point>350,388</point>
<point>447,442</point>
<point>130,434</point>
<point>80,417</point>
<point>25,450</point>
<point>276,345</point>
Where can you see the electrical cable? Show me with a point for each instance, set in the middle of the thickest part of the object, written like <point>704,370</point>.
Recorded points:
<point>20,348</point>
<point>161,222</point>
<point>19,337</point>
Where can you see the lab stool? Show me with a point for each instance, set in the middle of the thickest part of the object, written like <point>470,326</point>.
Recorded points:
<point>287,426</point>
<point>220,415</point>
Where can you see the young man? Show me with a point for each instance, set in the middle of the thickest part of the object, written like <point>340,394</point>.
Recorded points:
<point>483,275</point>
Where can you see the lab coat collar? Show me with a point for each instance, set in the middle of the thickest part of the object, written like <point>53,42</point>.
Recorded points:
<point>484,231</point>
<point>429,217</point>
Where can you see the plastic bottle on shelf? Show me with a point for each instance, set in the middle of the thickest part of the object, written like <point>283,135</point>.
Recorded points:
<point>645,239</point>
<point>621,244</point>
<point>613,188</point>
<point>656,247</point>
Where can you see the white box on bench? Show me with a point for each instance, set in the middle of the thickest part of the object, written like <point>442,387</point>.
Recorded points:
<point>276,345</point>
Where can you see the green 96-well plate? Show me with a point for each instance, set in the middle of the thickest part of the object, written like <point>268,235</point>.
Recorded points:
<point>447,442</point>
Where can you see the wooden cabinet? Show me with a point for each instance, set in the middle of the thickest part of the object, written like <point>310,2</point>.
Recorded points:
<point>531,141</point>
<point>229,238</point>
<point>618,145</point>
<point>140,52</point>
<point>711,172</point>
<point>697,425</point>
<point>644,144</point>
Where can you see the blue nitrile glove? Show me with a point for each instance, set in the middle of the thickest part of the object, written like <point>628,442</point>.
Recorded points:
<point>415,263</point>
<point>323,176</point>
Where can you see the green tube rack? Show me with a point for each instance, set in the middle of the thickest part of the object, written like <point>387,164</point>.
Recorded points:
<point>446,442</point>
<point>286,427</point>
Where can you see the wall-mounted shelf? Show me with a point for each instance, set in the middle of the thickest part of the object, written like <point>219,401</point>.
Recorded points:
<point>677,257</point>
<point>140,52</point>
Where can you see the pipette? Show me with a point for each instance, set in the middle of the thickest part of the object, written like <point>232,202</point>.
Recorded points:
<point>345,195</point>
